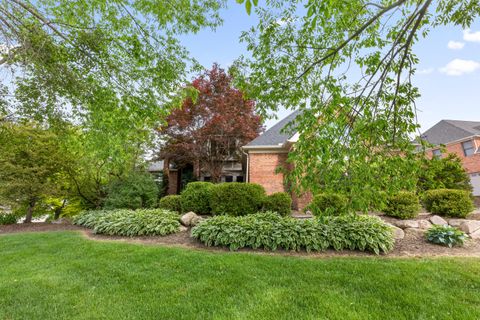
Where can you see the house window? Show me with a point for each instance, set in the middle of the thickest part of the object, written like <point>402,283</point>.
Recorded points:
<point>437,153</point>
<point>239,178</point>
<point>468,148</point>
<point>228,178</point>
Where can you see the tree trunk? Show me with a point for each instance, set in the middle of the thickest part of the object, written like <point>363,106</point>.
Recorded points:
<point>31,206</point>
<point>58,211</point>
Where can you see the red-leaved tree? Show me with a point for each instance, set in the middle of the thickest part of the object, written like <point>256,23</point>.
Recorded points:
<point>211,129</point>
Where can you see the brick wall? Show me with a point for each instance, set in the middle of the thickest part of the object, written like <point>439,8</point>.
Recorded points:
<point>262,170</point>
<point>470,163</point>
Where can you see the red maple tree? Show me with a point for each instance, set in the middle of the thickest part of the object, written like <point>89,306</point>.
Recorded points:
<point>211,130</point>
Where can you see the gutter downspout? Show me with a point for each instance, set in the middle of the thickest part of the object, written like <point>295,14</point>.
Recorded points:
<point>247,178</point>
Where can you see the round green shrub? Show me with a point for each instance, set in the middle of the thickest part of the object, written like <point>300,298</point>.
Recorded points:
<point>402,205</point>
<point>7,218</point>
<point>130,223</point>
<point>138,190</point>
<point>171,202</point>
<point>279,202</point>
<point>448,202</point>
<point>271,232</point>
<point>237,199</point>
<point>446,236</point>
<point>328,204</point>
<point>197,196</point>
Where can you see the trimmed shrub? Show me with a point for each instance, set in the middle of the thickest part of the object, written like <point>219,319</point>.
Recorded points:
<point>130,223</point>
<point>328,204</point>
<point>402,205</point>
<point>7,218</point>
<point>197,196</point>
<point>138,190</point>
<point>446,236</point>
<point>237,199</point>
<point>279,202</point>
<point>271,232</point>
<point>448,202</point>
<point>172,203</point>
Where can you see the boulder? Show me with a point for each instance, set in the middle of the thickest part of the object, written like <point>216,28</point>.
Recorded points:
<point>183,229</point>
<point>406,224</point>
<point>438,220</point>
<point>187,218</point>
<point>475,235</point>
<point>398,233</point>
<point>470,226</point>
<point>196,220</point>
<point>424,224</point>
<point>415,231</point>
<point>456,222</point>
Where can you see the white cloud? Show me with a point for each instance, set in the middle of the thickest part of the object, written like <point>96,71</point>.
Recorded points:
<point>471,36</point>
<point>458,67</point>
<point>425,71</point>
<point>455,45</point>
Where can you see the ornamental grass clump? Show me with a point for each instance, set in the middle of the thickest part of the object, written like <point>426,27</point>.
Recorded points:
<point>145,222</point>
<point>270,231</point>
<point>446,236</point>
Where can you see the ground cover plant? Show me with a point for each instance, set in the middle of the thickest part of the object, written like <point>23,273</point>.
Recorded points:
<point>446,236</point>
<point>279,202</point>
<point>270,231</point>
<point>402,205</point>
<point>130,223</point>
<point>62,275</point>
<point>7,218</point>
<point>449,202</point>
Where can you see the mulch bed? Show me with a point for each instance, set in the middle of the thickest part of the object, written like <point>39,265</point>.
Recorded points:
<point>413,245</point>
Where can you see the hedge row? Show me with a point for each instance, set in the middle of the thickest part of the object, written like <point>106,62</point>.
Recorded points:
<point>233,199</point>
<point>270,231</point>
<point>123,222</point>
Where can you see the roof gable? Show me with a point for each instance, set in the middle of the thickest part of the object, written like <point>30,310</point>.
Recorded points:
<point>447,131</point>
<point>278,134</point>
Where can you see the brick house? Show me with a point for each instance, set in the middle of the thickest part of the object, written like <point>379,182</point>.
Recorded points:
<point>461,138</point>
<point>267,153</point>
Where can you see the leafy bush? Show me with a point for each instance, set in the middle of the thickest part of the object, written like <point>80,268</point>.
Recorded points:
<point>197,196</point>
<point>172,203</point>
<point>449,202</point>
<point>270,231</point>
<point>138,190</point>
<point>328,204</point>
<point>443,173</point>
<point>403,205</point>
<point>279,202</point>
<point>237,199</point>
<point>122,222</point>
<point>7,218</point>
<point>446,236</point>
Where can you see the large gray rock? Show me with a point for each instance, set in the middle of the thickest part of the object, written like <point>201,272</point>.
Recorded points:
<point>406,224</point>
<point>424,224</point>
<point>187,218</point>
<point>416,231</point>
<point>196,220</point>
<point>470,226</point>
<point>456,222</point>
<point>438,220</point>
<point>475,235</point>
<point>398,233</point>
<point>183,229</point>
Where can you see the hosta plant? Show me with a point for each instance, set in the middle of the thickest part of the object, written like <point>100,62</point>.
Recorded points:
<point>130,223</point>
<point>271,232</point>
<point>446,236</point>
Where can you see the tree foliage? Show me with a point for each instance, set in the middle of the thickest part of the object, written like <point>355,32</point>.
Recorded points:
<point>349,65</point>
<point>211,128</point>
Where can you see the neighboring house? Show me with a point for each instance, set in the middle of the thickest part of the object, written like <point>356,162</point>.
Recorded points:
<point>461,138</point>
<point>268,152</point>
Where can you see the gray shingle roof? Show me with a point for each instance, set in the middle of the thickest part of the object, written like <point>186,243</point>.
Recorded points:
<point>451,130</point>
<point>276,135</point>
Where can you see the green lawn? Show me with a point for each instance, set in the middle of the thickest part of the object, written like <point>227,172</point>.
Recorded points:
<point>61,275</point>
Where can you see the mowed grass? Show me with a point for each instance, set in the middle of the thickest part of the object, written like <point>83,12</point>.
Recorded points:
<point>61,275</point>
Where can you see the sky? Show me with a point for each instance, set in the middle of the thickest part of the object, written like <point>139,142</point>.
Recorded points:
<point>448,75</point>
